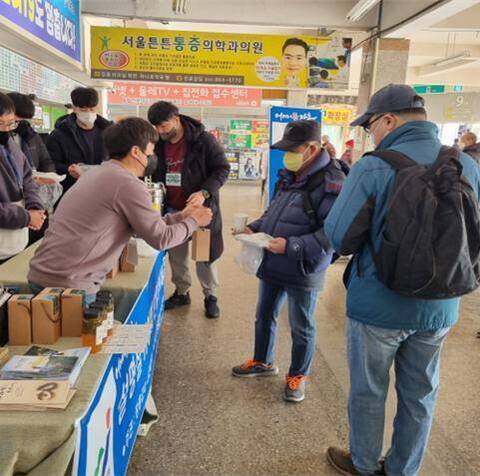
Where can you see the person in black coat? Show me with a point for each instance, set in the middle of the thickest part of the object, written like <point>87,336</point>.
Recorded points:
<point>32,147</point>
<point>30,141</point>
<point>193,167</point>
<point>78,138</point>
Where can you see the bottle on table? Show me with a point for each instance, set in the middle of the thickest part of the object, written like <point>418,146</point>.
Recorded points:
<point>92,334</point>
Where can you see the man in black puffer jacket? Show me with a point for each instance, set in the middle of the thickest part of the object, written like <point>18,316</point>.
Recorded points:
<point>78,139</point>
<point>193,166</point>
<point>295,263</point>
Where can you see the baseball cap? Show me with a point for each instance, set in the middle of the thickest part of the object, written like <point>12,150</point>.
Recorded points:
<point>391,98</point>
<point>297,133</point>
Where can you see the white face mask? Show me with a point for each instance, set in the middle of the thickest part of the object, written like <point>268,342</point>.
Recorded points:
<point>87,118</point>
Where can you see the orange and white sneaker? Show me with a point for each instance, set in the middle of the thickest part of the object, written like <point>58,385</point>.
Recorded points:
<point>254,368</point>
<point>295,388</point>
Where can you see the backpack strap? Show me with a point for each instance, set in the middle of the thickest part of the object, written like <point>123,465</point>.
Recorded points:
<point>395,159</point>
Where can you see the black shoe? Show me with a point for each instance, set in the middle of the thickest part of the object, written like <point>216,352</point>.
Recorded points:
<point>212,310</point>
<point>177,300</point>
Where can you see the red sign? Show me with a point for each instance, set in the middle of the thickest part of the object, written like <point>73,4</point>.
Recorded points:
<point>145,94</point>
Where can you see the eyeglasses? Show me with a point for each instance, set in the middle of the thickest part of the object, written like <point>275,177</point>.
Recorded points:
<point>367,126</point>
<point>9,126</point>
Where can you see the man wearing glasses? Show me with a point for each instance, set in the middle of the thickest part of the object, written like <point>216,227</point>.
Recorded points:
<point>386,328</point>
<point>20,205</point>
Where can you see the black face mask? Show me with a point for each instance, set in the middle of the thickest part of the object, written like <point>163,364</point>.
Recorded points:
<point>22,128</point>
<point>4,136</point>
<point>152,163</point>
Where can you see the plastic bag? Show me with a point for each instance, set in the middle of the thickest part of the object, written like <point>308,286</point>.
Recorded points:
<point>49,195</point>
<point>250,258</point>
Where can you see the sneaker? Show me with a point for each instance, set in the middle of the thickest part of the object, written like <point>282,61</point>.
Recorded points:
<point>295,388</point>
<point>254,368</point>
<point>212,310</point>
<point>177,300</point>
<point>341,460</point>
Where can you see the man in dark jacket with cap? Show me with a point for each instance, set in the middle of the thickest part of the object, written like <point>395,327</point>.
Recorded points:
<point>386,329</point>
<point>78,139</point>
<point>295,263</point>
<point>193,166</point>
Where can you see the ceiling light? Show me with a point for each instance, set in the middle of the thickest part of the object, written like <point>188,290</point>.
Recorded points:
<point>361,9</point>
<point>447,64</point>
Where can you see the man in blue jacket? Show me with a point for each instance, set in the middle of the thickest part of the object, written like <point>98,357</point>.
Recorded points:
<point>383,327</point>
<point>295,263</point>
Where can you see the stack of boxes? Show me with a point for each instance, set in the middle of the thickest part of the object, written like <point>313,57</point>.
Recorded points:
<point>42,319</point>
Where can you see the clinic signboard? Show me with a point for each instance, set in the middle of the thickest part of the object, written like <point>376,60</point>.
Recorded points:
<point>145,94</point>
<point>56,23</point>
<point>279,118</point>
<point>170,56</point>
<point>106,434</point>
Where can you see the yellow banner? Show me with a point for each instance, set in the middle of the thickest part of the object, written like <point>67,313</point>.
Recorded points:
<point>220,58</point>
<point>337,116</point>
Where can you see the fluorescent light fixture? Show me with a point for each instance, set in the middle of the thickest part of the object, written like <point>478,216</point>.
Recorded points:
<point>360,9</point>
<point>447,64</point>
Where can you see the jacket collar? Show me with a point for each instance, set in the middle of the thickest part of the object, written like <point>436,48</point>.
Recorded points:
<point>409,132</point>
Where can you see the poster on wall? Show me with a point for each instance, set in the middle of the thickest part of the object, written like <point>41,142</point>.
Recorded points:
<point>220,58</point>
<point>54,22</point>
<point>279,118</point>
<point>249,166</point>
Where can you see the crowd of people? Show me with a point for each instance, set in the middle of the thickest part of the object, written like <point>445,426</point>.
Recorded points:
<point>399,311</point>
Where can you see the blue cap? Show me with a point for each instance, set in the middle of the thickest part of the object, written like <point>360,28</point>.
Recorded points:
<point>391,98</point>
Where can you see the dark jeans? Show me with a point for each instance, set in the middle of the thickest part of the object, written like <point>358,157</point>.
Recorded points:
<point>301,315</point>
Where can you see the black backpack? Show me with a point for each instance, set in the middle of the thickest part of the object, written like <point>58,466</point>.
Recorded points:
<point>430,246</point>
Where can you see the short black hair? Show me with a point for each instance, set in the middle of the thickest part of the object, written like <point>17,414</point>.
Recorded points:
<point>68,106</point>
<point>295,42</point>
<point>24,106</point>
<point>121,137</point>
<point>324,74</point>
<point>342,58</point>
<point>312,61</point>
<point>347,41</point>
<point>6,105</point>
<point>84,97</point>
<point>162,111</point>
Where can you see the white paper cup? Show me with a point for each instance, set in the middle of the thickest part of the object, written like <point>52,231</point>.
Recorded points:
<point>240,222</point>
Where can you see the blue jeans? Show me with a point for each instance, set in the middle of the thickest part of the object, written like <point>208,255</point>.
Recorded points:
<point>89,298</point>
<point>371,353</point>
<point>301,315</point>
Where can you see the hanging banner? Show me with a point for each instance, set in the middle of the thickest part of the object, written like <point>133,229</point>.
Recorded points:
<point>145,94</point>
<point>220,58</point>
<point>55,22</point>
<point>279,118</point>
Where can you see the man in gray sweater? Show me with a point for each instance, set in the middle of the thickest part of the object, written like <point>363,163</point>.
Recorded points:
<point>97,217</point>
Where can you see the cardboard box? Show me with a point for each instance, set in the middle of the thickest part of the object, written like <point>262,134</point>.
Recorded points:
<point>46,318</point>
<point>20,319</point>
<point>73,303</point>
<point>56,291</point>
<point>114,271</point>
<point>201,245</point>
<point>129,257</point>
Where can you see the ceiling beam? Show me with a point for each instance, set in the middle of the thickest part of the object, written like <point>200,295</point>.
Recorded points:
<point>402,21</point>
<point>286,13</point>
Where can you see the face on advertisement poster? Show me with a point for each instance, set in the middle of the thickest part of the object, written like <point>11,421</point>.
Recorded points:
<point>168,56</point>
